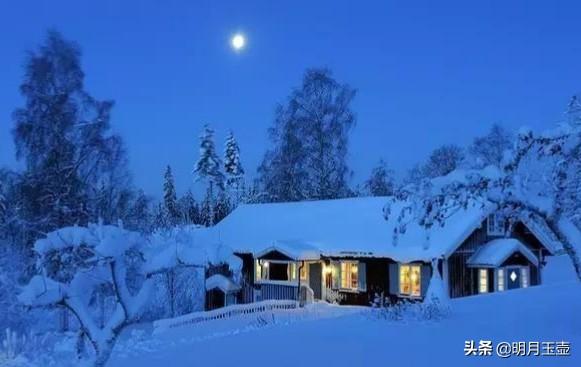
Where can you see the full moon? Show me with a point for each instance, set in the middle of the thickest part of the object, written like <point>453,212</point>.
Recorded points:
<point>238,41</point>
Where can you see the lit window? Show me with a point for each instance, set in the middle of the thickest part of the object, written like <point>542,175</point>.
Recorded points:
<point>304,270</point>
<point>292,270</point>
<point>500,279</point>
<point>410,280</point>
<point>276,270</point>
<point>349,274</point>
<point>524,277</point>
<point>483,280</point>
<point>495,225</point>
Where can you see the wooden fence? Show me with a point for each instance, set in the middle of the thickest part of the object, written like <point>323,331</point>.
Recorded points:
<point>235,311</point>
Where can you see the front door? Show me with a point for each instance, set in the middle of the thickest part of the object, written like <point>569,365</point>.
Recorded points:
<point>315,274</point>
<point>513,278</point>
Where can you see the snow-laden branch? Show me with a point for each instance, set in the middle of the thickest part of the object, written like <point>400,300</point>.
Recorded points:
<point>539,178</point>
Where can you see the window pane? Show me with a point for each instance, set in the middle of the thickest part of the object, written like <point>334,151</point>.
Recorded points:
<point>524,277</point>
<point>416,280</point>
<point>404,279</point>
<point>500,277</point>
<point>292,271</point>
<point>258,269</point>
<point>349,275</point>
<point>483,280</point>
<point>278,271</point>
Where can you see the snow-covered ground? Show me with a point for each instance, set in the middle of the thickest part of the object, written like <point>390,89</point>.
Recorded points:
<point>351,336</point>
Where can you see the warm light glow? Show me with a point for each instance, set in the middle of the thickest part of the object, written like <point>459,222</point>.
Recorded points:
<point>483,280</point>
<point>265,264</point>
<point>238,42</point>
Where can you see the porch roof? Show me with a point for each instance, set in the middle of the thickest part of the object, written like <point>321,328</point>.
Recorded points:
<point>495,252</point>
<point>296,250</point>
<point>221,282</point>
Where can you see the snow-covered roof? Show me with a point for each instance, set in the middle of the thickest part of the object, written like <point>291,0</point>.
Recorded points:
<point>296,250</point>
<point>495,252</point>
<point>344,227</point>
<point>221,282</point>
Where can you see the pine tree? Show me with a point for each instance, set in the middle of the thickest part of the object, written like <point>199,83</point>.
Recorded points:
<point>233,167</point>
<point>170,197</point>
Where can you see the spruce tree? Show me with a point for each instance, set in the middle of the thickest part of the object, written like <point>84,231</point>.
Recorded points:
<point>207,169</point>
<point>233,168</point>
<point>170,197</point>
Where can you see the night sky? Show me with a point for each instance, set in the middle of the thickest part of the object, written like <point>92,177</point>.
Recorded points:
<point>426,73</point>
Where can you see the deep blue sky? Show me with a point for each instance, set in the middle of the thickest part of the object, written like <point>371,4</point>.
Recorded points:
<point>427,73</point>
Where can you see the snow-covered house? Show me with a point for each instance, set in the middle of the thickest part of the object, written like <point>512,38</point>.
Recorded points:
<point>345,250</point>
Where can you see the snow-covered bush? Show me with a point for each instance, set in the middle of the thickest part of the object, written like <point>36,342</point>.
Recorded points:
<point>333,296</point>
<point>30,349</point>
<point>434,306</point>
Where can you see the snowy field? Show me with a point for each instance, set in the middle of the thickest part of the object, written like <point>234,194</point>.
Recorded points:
<point>352,336</point>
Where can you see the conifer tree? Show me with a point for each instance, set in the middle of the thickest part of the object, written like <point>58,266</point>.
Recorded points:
<point>170,197</point>
<point>233,167</point>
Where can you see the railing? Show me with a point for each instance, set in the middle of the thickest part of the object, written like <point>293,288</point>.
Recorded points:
<point>235,311</point>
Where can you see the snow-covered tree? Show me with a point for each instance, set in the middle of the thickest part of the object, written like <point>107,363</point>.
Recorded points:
<point>222,208</point>
<point>76,262</point>
<point>170,197</point>
<point>208,170</point>
<point>381,181</point>
<point>532,182</point>
<point>189,209</point>
<point>489,149</point>
<point>140,216</point>
<point>208,165</point>
<point>233,167</point>
<point>443,160</point>
<point>414,175</point>
<point>310,139</point>
<point>62,135</point>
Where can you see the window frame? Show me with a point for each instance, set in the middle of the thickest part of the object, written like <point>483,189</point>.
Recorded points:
<point>495,226</point>
<point>411,293</point>
<point>261,272</point>
<point>348,275</point>
<point>525,276</point>
<point>500,275</point>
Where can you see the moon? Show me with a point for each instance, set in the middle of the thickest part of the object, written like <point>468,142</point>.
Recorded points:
<point>238,42</point>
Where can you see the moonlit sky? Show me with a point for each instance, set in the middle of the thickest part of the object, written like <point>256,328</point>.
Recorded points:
<point>427,73</point>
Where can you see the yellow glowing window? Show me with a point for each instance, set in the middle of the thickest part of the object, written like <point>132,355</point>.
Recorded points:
<point>349,275</point>
<point>483,280</point>
<point>304,271</point>
<point>410,280</point>
<point>292,269</point>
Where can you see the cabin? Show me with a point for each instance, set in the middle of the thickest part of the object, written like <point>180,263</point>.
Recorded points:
<point>348,251</point>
